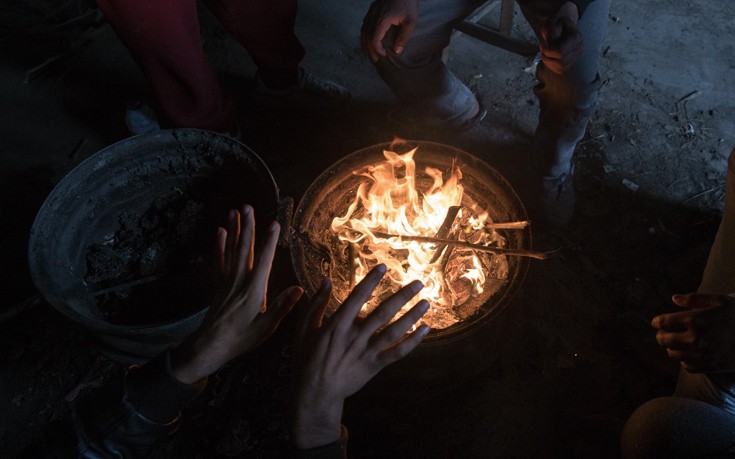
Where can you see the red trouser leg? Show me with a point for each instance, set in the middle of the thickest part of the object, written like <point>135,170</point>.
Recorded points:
<point>265,28</point>
<point>164,38</point>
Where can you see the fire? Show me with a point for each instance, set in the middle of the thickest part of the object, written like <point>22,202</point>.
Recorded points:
<point>394,201</point>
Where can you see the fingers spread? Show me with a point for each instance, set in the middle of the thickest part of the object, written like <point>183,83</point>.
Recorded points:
<point>359,296</point>
<point>279,308</point>
<point>317,307</point>
<point>403,347</point>
<point>246,243</point>
<point>397,330</point>
<point>233,236</point>
<point>388,308</point>
<point>262,270</point>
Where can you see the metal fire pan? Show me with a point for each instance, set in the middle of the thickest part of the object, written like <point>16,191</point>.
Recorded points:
<point>87,207</point>
<point>331,193</point>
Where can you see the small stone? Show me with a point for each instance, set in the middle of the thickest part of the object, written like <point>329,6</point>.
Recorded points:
<point>632,186</point>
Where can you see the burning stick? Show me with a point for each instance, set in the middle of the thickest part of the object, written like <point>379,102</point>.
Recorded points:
<point>444,231</point>
<point>468,245</point>
<point>354,255</point>
<point>508,225</point>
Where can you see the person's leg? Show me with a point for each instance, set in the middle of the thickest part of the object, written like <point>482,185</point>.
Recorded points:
<point>718,278</point>
<point>163,37</point>
<point>678,427</point>
<point>266,30</point>
<point>418,76</point>
<point>567,103</point>
<point>700,419</point>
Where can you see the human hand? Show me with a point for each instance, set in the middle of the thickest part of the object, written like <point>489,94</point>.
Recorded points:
<point>380,17</point>
<point>702,337</point>
<point>338,355</point>
<point>561,41</point>
<point>238,321</point>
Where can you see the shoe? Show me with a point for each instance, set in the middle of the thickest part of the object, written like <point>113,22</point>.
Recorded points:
<point>308,90</point>
<point>140,118</point>
<point>415,121</point>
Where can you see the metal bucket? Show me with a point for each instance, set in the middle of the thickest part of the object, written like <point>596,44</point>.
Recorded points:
<point>135,223</point>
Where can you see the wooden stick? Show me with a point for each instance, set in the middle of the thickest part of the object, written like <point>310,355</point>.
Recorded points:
<point>508,225</point>
<point>354,255</point>
<point>689,96</point>
<point>698,195</point>
<point>444,231</point>
<point>448,222</point>
<point>468,245</point>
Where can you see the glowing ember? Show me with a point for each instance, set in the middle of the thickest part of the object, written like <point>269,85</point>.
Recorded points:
<point>395,200</point>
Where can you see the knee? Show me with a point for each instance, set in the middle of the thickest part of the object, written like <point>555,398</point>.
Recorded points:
<point>647,433</point>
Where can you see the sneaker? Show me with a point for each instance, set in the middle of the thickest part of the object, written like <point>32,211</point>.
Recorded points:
<point>140,118</point>
<point>416,121</point>
<point>308,90</point>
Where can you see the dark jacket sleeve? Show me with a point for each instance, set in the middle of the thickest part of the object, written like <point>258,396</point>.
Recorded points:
<point>125,418</point>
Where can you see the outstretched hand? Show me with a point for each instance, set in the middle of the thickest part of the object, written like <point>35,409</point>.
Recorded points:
<point>382,15</point>
<point>239,320</point>
<point>702,336</point>
<point>337,356</point>
<point>561,41</point>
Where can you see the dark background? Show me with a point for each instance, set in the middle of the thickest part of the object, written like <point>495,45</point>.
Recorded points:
<point>575,355</point>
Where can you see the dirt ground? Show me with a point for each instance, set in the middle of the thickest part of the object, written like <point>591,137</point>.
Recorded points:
<point>577,354</point>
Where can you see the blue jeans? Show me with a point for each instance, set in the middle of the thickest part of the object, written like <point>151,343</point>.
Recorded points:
<point>421,80</point>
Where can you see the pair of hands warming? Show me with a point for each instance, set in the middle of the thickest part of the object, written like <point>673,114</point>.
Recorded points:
<point>335,356</point>
<point>560,39</point>
<point>701,335</point>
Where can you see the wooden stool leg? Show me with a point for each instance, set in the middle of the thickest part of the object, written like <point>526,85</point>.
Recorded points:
<point>506,17</point>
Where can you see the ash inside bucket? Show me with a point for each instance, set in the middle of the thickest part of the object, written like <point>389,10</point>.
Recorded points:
<point>152,269</point>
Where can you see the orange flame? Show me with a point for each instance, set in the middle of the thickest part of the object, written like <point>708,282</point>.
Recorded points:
<point>389,201</point>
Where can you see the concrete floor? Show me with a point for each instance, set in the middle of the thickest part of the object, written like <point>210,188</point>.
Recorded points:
<point>576,354</point>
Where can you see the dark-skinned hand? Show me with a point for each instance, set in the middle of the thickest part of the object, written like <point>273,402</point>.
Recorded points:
<point>702,335</point>
<point>382,15</point>
<point>561,42</point>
